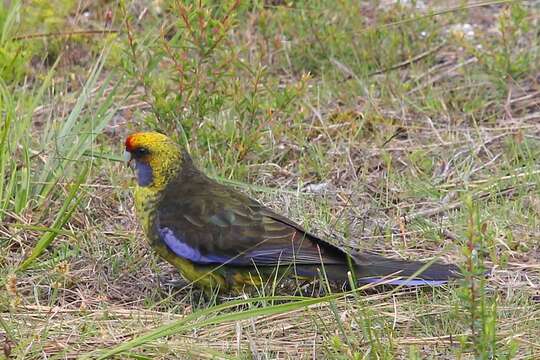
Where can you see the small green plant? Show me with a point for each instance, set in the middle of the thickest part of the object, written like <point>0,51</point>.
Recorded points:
<point>205,90</point>
<point>504,56</point>
<point>14,55</point>
<point>477,301</point>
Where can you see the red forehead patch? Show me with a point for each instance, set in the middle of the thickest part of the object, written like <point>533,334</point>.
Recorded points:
<point>130,142</point>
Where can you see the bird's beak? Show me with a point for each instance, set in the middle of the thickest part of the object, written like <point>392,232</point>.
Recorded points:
<point>128,159</point>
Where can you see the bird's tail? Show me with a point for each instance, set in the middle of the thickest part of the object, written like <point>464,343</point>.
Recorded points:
<point>371,268</point>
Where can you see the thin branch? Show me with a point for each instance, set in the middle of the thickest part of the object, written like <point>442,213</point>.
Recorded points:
<point>64,33</point>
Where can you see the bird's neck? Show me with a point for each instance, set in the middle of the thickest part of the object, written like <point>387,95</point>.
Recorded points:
<point>164,170</point>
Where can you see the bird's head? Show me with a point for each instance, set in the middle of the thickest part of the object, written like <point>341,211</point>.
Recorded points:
<point>154,157</point>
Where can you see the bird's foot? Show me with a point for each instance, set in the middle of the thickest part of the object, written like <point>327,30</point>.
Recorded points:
<point>166,281</point>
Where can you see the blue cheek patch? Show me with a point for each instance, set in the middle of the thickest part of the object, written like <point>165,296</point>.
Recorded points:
<point>144,173</point>
<point>182,249</point>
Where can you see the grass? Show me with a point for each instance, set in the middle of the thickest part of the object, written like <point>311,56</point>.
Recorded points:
<point>407,128</point>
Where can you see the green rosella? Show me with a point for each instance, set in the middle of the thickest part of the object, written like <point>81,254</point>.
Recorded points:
<point>220,238</point>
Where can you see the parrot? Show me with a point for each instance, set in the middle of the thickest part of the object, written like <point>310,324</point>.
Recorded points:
<point>221,239</point>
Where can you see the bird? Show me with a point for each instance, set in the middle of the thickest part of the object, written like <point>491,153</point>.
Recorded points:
<point>223,240</point>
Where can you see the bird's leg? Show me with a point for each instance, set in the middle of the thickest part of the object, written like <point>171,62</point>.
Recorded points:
<point>173,283</point>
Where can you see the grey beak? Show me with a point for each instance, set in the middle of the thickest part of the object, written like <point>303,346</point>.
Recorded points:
<point>128,159</point>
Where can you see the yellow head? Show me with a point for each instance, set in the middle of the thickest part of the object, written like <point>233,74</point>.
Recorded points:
<point>154,157</point>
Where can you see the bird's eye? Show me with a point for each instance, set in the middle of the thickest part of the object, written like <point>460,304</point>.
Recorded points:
<point>141,152</point>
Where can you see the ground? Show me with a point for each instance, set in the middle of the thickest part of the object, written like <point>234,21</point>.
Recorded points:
<point>410,128</point>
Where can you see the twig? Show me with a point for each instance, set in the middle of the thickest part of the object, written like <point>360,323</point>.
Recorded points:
<point>64,33</point>
<point>483,181</point>
<point>410,61</point>
<point>443,75</point>
<point>455,204</point>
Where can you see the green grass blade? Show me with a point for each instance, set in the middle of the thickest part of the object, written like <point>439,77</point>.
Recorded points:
<point>70,204</point>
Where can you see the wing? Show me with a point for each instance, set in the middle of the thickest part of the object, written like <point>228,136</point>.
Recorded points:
<point>209,223</point>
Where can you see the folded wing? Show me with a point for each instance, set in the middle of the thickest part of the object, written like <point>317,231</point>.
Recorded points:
<point>209,223</point>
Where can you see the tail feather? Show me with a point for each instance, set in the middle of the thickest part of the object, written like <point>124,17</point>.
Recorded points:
<point>374,268</point>
<point>371,268</point>
<point>403,282</point>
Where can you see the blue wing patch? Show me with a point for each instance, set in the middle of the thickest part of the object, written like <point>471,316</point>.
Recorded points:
<point>182,249</point>
<point>264,256</point>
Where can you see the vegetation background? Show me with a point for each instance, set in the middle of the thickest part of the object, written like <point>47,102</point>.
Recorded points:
<point>407,127</point>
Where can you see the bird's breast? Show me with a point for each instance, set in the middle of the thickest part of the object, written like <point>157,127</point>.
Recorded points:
<point>146,202</point>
